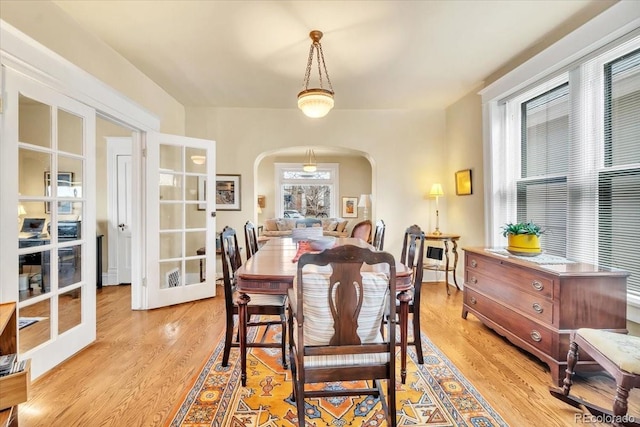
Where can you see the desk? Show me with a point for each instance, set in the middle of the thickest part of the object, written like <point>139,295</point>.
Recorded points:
<point>271,271</point>
<point>68,258</point>
<point>445,239</point>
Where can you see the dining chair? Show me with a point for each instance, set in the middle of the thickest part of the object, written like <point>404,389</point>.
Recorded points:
<point>250,239</point>
<point>259,304</point>
<point>412,256</point>
<point>378,236</point>
<point>362,230</point>
<point>335,312</point>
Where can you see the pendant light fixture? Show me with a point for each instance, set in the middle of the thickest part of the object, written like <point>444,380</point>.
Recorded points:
<point>316,102</point>
<point>310,165</point>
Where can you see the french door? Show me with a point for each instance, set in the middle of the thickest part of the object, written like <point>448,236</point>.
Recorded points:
<point>48,178</point>
<point>179,220</point>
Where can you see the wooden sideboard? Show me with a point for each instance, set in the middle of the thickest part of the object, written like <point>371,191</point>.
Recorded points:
<point>536,306</point>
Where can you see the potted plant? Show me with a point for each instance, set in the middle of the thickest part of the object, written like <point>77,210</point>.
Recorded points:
<point>523,238</point>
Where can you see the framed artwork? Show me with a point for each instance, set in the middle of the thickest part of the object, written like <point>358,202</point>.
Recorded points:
<point>463,182</point>
<point>65,189</point>
<point>261,201</point>
<point>349,207</point>
<point>227,193</point>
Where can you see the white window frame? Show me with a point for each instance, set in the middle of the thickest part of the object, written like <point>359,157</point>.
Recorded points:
<point>334,182</point>
<point>606,36</point>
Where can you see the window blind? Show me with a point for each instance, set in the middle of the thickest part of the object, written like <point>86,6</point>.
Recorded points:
<point>619,178</point>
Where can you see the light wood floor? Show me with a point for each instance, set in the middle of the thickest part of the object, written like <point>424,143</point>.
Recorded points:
<point>143,362</point>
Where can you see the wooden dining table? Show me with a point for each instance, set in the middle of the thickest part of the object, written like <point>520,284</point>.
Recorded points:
<point>272,270</point>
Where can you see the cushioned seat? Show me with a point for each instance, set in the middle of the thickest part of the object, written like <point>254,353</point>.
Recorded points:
<point>619,355</point>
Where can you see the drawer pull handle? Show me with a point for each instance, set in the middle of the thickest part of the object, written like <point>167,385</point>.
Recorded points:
<point>537,285</point>
<point>474,264</point>
<point>535,335</point>
<point>473,300</point>
<point>474,280</point>
<point>537,308</point>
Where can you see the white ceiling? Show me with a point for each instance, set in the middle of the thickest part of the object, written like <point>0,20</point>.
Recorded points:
<point>380,54</point>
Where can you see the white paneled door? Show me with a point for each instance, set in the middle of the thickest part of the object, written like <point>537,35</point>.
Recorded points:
<point>48,179</point>
<point>179,221</point>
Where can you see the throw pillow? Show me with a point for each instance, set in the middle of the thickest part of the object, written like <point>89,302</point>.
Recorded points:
<point>282,225</point>
<point>341,226</point>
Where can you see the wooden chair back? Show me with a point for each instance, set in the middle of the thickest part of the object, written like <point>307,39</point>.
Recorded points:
<point>338,337</point>
<point>231,261</point>
<point>413,253</point>
<point>250,239</point>
<point>378,236</point>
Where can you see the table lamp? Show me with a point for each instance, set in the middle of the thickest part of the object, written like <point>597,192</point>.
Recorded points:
<point>436,191</point>
<point>365,202</point>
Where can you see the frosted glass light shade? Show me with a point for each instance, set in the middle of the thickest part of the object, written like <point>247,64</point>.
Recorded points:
<point>315,103</point>
<point>198,160</point>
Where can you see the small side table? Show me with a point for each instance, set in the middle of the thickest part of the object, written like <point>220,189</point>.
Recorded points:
<point>445,239</point>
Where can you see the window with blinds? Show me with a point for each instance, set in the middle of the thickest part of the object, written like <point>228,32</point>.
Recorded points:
<point>542,188</point>
<point>619,179</point>
<point>566,156</point>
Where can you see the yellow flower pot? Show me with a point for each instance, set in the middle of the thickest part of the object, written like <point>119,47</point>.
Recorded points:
<point>525,244</point>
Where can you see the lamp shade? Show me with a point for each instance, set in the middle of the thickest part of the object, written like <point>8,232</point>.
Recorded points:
<point>198,160</point>
<point>259,209</point>
<point>365,201</point>
<point>315,103</point>
<point>21,210</point>
<point>436,190</point>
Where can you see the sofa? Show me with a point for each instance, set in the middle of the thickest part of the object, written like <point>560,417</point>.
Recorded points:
<point>279,227</point>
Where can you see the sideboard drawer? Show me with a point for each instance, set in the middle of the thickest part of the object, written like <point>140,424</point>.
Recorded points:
<point>534,334</point>
<point>511,295</point>
<point>530,281</point>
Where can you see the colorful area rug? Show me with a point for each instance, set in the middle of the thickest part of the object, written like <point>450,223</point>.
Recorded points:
<point>435,395</point>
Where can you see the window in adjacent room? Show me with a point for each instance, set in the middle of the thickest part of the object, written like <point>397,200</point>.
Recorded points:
<point>307,194</point>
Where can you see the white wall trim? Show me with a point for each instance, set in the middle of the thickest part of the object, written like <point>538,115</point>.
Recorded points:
<point>29,57</point>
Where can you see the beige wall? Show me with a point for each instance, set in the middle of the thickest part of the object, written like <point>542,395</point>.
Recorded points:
<point>405,148</point>
<point>464,150</point>
<point>49,25</point>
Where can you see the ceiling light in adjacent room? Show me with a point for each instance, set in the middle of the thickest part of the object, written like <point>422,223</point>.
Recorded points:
<point>310,165</point>
<point>198,160</point>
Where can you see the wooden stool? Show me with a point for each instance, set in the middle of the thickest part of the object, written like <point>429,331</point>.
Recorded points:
<point>617,354</point>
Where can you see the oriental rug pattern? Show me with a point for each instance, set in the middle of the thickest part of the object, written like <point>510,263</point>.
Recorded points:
<point>435,395</point>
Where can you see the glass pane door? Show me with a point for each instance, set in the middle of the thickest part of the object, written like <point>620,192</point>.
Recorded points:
<point>56,276</point>
<point>182,228</point>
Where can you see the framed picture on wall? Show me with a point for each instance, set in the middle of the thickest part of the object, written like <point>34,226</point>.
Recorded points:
<point>463,182</point>
<point>65,189</point>
<point>228,192</point>
<point>349,207</point>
